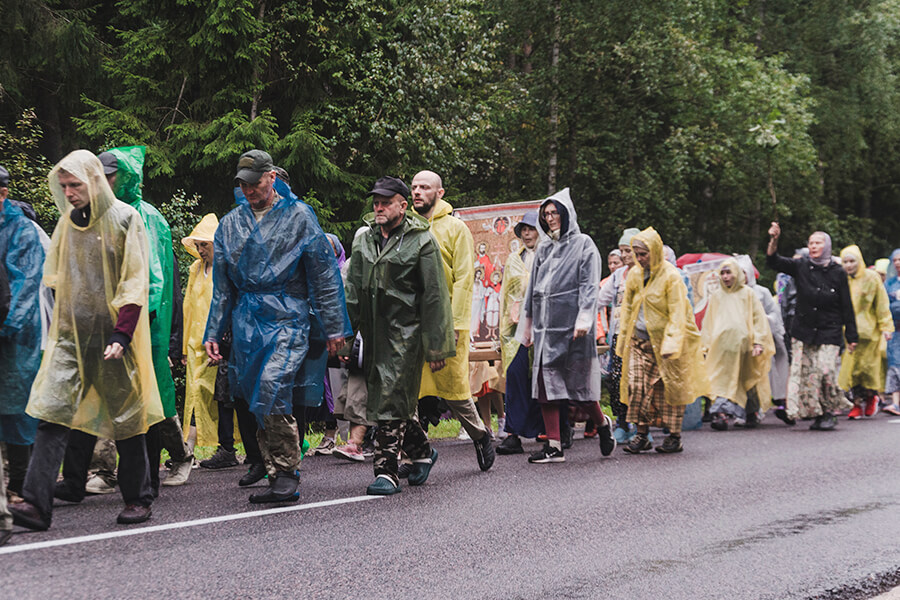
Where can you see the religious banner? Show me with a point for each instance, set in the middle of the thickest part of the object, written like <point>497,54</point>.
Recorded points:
<point>704,277</point>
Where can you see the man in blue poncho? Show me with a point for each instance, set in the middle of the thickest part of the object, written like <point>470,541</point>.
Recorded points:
<point>20,332</point>
<point>278,289</point>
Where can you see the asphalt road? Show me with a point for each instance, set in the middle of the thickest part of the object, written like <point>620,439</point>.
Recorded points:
<point>774,513</point>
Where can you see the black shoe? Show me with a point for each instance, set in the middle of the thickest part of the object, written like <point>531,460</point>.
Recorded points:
<point>827,422</point>
<point>254,473</point>
<point>547,454</point>
<point>404,470</point>
<point>781,415</point>
<point>284,489</point>
<point>639,443</point>
<point>511,445</point>
<point>64,492</point>
<point>5,534</point>
<point>605,433</point>
<point>484,452</point>
<point>568,434</point>
<point>134,513</point>
<point>719,422</point>
<point>752,421</point>
<point>222,459</point>
<point>670,445</point>
<point>421,470</point>
<point>27,515</point>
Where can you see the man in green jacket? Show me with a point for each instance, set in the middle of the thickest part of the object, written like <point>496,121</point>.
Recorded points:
<point>398,300</point>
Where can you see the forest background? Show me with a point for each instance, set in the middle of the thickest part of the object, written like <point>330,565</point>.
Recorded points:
<point>703,118</point>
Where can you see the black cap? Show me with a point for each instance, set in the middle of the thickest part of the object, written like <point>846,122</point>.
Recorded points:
<point>4,177</point>
<point>388,186</point>
<point>251,166</point>
<point>109,161</point>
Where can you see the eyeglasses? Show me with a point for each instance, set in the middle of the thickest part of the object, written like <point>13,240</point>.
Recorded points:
<point>548,214</point>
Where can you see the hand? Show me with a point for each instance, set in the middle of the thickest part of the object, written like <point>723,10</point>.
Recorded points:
<point>579,333</point>
<point>344,359</point>
<point>888,335</point>
<point>183,360</point>
<point>775,231</point>
<point>113,352</point>
<point>851,347</point>
<point>667,355</point>
<point>455,337</point>
<point>212,351</point>
<point>757,350</point>
<point>437,365</point>
<point>335,345</point>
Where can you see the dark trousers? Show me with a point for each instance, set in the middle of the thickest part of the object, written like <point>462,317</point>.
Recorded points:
<point>51,445</point>
<point>247,426</point>
<point>523,415</point>
<point>18,456</point>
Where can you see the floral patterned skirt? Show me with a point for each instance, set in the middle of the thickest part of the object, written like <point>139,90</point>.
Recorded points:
<point>812,387</point>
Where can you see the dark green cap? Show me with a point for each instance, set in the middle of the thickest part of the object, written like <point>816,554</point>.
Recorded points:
<point>251,166</point>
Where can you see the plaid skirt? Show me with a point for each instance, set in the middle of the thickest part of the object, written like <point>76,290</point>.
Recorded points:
<point>647,404</point>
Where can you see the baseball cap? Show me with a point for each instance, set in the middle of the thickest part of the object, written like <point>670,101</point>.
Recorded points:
<point>251,166</point>
<point>388,186</point>
<point>4,177</point>
<point>109,161</point>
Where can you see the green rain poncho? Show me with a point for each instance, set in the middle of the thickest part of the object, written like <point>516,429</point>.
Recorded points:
<point>95,271</point>
<point>397,299</point>
<point>129,179</point>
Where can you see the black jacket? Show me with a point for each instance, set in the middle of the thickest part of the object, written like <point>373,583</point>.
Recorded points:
<point>824,311</point>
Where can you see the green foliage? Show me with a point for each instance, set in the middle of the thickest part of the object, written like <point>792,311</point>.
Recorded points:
<point>28,168</point>
<point>180,212</point>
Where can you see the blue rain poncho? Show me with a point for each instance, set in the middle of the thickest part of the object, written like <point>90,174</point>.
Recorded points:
<point>20,334</point>
<point>562,296</point>
<point>277,286</point>
<point>892,287</point>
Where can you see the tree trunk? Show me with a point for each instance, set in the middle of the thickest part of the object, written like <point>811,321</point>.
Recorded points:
<point>254,107</point>
<point>554,102</point>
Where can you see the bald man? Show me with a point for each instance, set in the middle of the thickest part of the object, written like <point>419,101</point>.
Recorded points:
<point>458,256</point>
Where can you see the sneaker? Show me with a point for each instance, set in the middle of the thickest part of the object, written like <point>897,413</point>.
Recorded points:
<point>27,515</point>
<point>178,474</point>
<point>422,468</point>
<point>541,438</point>
<point>368,449</point>
<point>349,452</point>
<point>511,445</point>
<point>463,435</point>
<point>855,413</point>
<point>484,452</point>
<point>501,426</point>
<point>222,459</point>
<point>135,513</point>
<point>325,448</point>
<point>719,422</point>
<point>752,420</point>
<point>97,484</point>
<point>828,422</point>
<point>5,534</point>
<point>607,440</point>
<point>639,443</point>
<point>254,473</point>
<point>782,415</point>
<point>590,430</point>
<point>871,406</point>
<point>670,445</point>
<point>892,409</point>
<point>547,454</point>
<point>64,492</point>
<point>383,486</point>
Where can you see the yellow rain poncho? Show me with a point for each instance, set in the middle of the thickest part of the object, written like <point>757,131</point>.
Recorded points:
<point>200,378</point>
<point>867,364</point>
<point>512,293</point>
<point>96,270</point>
<point>458,256</point>
<point>735,320</point>
<point>670,324</point>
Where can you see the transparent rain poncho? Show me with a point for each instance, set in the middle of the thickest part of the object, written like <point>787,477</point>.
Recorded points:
<point>277,286</point>
<point>866,365</point>
<point>734,322</point>
<point>95,271</point>
<point>562,296</point>
<point>200,376</point>
<point>129,179</point>
<point>512,293</point>
<point>670,324</point>
<point>20,333</point>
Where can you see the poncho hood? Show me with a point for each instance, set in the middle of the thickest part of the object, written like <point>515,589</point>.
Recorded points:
<point>442,208</point>
<point>85,167</point>
<point>856,253</point>
<point>568,221</point>
<point>650,238</point>
<point>130,176</point>
<point>204,231</point>
<point>740,278</point>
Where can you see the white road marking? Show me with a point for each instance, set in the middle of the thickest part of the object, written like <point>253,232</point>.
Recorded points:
<point>180,525</point>
<point>894,421</point>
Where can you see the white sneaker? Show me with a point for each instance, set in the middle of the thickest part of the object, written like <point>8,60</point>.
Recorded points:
<point>463,434</point>
<point>178,474</point>
<point>501,424</point>
<point>98,485</point>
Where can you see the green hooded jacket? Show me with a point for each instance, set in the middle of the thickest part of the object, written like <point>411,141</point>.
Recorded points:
<point>397,298</point>
<point>129,179</point>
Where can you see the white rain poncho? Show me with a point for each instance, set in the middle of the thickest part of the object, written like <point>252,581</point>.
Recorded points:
<point>95,271</point>
<point>778,375</point>
<point>562,296</point>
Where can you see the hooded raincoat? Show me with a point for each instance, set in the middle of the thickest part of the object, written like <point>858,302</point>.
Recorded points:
<point>458,255</point>
<point>512,293</point>
<point>778,374</point>
<point>670,325</point>
<point>96,270</point>
<point>200,377</point>
<point>277,286</point>
<point>20,333</point>
<point>129,179</point>
<point>735,321</point>
<point>397,298</point>
<point>892,287</point>
<point>866,366</point>
<point>561,297</point>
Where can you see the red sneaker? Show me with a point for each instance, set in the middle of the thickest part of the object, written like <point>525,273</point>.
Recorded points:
<point>855,412</point>
<point>872,406</point>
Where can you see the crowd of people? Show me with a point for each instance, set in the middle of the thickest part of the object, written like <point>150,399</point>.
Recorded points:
<point>278,327</point>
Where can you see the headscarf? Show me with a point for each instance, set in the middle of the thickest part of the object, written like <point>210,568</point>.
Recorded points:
<point>670,255</point>
<point>881,266</point>
<point>615,252</point>
<point>825,259</point>
<point>629,233</point>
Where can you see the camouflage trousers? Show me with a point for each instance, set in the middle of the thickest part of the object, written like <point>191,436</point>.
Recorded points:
<point>391,437</point>
<point>279,442</point>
